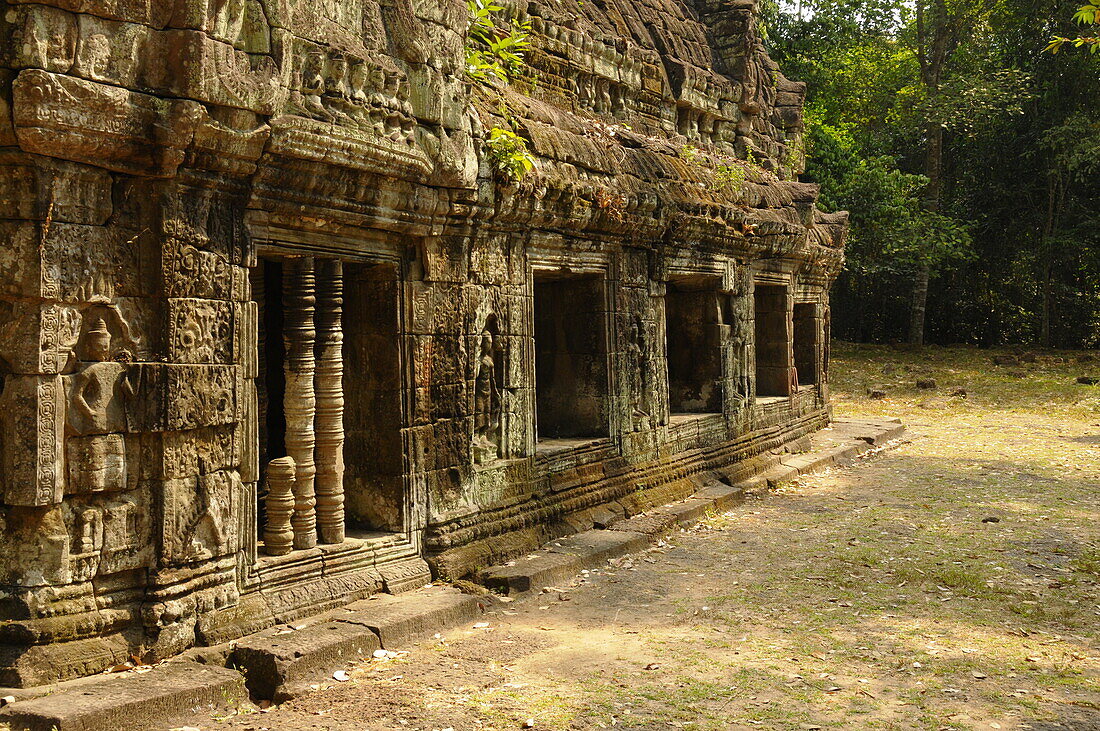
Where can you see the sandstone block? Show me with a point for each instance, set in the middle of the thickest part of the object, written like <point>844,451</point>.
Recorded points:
<point>84,121</point>
<point>280,664</point>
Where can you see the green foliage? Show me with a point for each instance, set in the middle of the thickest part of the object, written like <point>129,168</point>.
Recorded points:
<point>964,103</point>
<point>508,154</point>
<point>1087,14</point>
<point>891,228</point>
<point>494,48</point>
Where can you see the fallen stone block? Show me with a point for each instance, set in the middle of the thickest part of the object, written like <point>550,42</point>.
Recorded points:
<point>531,573</point>
<point>690,511</point>
<point>722,496</point>
<point>654,523</point>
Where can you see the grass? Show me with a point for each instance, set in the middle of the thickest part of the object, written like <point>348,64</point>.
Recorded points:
<point>1048,384</point>
<point>878,598</point>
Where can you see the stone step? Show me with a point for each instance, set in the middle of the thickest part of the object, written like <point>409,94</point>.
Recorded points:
<point>561,561</point>
<point>129,700</point>
<point>398,620</point>
<point>281,663</point>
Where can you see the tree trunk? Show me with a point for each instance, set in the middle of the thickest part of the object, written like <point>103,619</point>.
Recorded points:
<point>933,170</point>
<point>937,38</point>
<point>920,303</point>
<point>1047,249</point>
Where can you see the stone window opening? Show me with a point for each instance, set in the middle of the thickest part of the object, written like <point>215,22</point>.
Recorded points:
<point>807,338</point>
<point>317,338</point>
<point>571,354</point>
<point>693,335</point>
<point>772,341</point>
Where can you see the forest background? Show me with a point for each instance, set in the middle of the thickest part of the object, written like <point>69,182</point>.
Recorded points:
<point>969,157</point>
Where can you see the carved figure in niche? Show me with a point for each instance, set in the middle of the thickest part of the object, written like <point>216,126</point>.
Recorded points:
<point>584,91</point>
<point>618,101</point>
<point>357,95</point>
<point>487,402</point>
<point>337,94</point>
<point>408,125</point>
<point>636,347</point>
<point>735,314</point>
<point>378,101</point>
<point>313,85</point>
<point>603,96</point>
<point>393,115</point>
<point>96,417</point>
<point>88,531</point>
<point>98,391</point>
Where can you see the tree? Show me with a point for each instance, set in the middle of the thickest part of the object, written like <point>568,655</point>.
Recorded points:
<point>1002,263</point>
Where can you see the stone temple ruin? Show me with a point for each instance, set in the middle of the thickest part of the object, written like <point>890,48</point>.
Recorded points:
<point>278,332</point>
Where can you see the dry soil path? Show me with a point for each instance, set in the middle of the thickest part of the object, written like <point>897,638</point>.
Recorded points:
<point>952,582</point>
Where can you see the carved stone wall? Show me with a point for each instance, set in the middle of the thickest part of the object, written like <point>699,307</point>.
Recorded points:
<point>270,322</point>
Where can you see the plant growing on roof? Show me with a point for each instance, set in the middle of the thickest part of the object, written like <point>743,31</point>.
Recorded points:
<point>508,154</point>
<point>494,48</point>
<point>728,173</point>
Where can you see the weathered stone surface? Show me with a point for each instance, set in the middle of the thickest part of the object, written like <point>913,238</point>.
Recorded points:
<point>83,121</point>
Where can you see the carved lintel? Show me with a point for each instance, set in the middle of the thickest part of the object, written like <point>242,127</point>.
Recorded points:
<point>299,402</point>
<point>329,385</point>
<point>279,535</point>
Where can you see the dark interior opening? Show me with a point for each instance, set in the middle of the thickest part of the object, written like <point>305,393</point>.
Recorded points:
<point>272,353</point>
<point>267,286</point>
<point>806,334</point>
<point>773,341</point>
<point>374,485</point>
<point>570,357</point>
<point>693,335</point>
<point>373,456</point>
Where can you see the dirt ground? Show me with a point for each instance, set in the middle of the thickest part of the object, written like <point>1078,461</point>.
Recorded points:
<point>951,582</point>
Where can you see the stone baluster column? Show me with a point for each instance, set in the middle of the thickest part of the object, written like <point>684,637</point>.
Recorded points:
<point>329,385</point>
<point>278,532</point>
<point>299,401</point>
